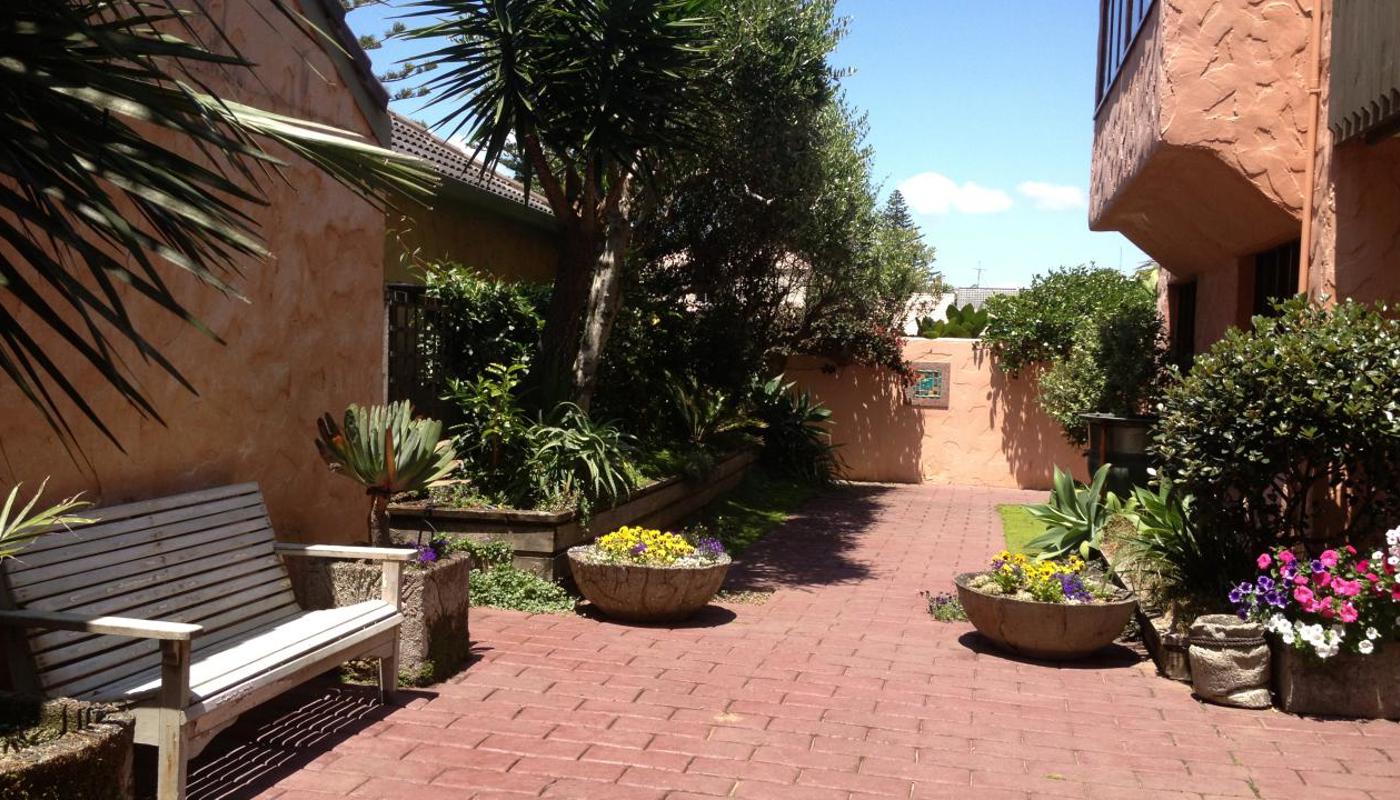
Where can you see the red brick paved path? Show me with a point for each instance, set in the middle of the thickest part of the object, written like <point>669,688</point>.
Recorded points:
<point>840,686</point>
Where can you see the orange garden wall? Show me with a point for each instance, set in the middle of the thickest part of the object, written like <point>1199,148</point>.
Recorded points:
<point>992,434</point>
<point>310,340</point>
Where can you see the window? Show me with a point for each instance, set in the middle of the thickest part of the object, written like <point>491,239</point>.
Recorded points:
<point>1275,276</point>
<point>1119,23</point>
<point>930,386</point>
<point>1181,308</point>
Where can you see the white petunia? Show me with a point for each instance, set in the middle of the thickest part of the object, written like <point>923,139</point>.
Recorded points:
<point>1372,633</point>
<point>1365,648</point>
<point>1377,556</point>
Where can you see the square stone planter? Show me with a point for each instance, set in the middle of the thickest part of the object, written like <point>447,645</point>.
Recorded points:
<point>436,600</point>
<point>64,750</point>
<point>1346,685</point>
<point>541,539</point>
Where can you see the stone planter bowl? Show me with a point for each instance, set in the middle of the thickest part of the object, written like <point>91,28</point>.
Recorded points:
<point>1048,631</point>
<point>78,750</point>
<point>646,594</point>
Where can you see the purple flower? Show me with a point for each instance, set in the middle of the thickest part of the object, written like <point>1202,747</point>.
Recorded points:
<point>710,547</point>
<point>639,548</point>
<point>1265,583</point>
<point>1317,566</point>
<point>427,554</point>
<point>1274,598</point>
<point>1288,572</point>
<point>1236,596</point>
<point>1243,613</point>
<point>1073,588</point>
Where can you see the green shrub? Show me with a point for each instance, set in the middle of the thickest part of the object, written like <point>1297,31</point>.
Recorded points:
<point>518,590</point>
<point>960,323</point>
<point>1095,335</point>
<point>479,321</point>
<point>573,460</point>
<point>796,432</point>
<point>1172,559</point>
<point>1296,422</point>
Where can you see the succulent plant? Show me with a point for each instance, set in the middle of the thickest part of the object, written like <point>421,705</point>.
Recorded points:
<point>387,451</point>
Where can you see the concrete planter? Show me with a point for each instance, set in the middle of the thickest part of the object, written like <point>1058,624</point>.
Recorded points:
<point>541,539</point>
<point>1049,631</point>
<point>647,594</point>
<point>436,600</point>
<point>64,750</point>
<point>1345,685</point>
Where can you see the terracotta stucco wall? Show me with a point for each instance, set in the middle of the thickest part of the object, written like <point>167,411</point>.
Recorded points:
<point>310,339</point>
<point>472,236</point>
<point>992,433</point>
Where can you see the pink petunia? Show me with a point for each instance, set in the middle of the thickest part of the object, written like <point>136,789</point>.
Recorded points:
<point>1350,550</point>
<point>1348,613</point>
<point>1286,557</point>
<point>1264,561</point>
<point>1324,578</point>
<point>1328,558</point>
<point>1303,595</point>
<point>1363,566</point>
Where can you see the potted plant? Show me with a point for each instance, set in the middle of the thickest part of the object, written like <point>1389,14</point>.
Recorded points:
<point>646,575</point>
<point>386,450</point>
<point>1053,610</point>
<point>1333,627</point>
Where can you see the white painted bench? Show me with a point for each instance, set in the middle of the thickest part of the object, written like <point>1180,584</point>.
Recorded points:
<point>181,608</point>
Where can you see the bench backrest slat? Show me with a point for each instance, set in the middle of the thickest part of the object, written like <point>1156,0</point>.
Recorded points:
<point>204,557</point>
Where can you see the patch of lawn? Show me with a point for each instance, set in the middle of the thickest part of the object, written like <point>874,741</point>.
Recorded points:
<point>1018,527</point>
<point>760,503</point>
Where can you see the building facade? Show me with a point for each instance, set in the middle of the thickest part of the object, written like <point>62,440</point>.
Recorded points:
<point>1248,147</point>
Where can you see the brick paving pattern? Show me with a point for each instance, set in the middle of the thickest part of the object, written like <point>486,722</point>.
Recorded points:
<point>840,686</point>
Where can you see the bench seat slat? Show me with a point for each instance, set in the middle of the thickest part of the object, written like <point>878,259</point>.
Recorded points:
<point>240,662</point>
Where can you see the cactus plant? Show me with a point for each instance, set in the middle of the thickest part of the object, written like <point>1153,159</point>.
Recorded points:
<point>961,323</point>
<point>387,451</point>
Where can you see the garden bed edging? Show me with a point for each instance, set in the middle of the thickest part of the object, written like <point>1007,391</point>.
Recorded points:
<point>541,539</point>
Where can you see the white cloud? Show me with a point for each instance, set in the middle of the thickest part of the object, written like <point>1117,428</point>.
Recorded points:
<point>932,193</point>
<point>1052,196</point>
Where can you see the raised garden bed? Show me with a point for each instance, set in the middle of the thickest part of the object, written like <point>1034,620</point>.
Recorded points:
<point>59,749</point>
<point>541,539</point>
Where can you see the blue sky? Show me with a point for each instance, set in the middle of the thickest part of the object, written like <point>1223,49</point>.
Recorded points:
<point>981,112</point>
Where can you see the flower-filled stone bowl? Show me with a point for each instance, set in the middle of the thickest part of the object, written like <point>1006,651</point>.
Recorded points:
<point>646,575</point>
<point>1052,610</point>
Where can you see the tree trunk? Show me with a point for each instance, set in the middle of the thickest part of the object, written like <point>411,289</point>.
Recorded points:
<point>568,304</point>
<point>379,532</point>
<point>604,301</point>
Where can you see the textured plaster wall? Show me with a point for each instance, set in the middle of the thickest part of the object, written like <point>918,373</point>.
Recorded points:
<point>1198,152</point>
<point>310,340</point>
<point>477,238</point>
<point>992,434</point>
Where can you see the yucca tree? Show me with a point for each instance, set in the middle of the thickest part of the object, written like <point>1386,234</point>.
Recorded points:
<point>21,524</point>
<point>120,166</point>
<point>594,95</point>
<point>387,451</point>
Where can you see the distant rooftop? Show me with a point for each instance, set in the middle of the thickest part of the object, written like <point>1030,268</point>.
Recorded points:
<point>415,139</point>
<point>977,295</point>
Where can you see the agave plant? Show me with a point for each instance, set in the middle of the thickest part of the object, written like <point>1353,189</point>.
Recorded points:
<point>796,431</point>
<point>1074,517</point>
<point>706,412</point>
<point>387,451</point>
<point>19,526</point>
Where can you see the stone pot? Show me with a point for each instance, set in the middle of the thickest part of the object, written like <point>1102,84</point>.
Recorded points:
<point>1345,685</point>
<point>1049,631</point>
<point>64,750</point>
<point>434,640</point>
<point>1230,661</point>
<point>647,594</point>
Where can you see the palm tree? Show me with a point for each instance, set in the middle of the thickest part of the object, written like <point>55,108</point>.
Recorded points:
<point>102,104</point>
<point>594,94</point>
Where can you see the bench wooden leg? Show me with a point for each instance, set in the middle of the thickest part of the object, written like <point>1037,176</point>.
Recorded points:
<point>389,673</point>
<point>172,741</point>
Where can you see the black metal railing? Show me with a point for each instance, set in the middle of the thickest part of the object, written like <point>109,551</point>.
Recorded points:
<point>416,351</point>
<point>1119,24</point>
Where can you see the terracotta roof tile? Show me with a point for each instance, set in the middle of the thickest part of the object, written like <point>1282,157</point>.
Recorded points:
<point>415,139</point>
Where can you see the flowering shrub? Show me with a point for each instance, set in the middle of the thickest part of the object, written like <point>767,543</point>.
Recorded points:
<point>651,547</point>
<point>1341,599</point>
<point>1015,575</point>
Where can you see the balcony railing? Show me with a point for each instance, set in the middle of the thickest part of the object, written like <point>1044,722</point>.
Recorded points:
<point>1119,24</point>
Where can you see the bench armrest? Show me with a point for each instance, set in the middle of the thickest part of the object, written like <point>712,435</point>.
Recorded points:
<point>338,551</point>
<point>115,626</point>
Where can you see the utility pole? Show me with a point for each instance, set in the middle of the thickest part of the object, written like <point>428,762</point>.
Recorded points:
<point>979,275</point>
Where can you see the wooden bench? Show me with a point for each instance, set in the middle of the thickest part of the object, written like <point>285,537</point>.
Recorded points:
<point>182,609</point>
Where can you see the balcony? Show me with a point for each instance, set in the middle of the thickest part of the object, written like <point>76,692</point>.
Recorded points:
<point>1200,128</point>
